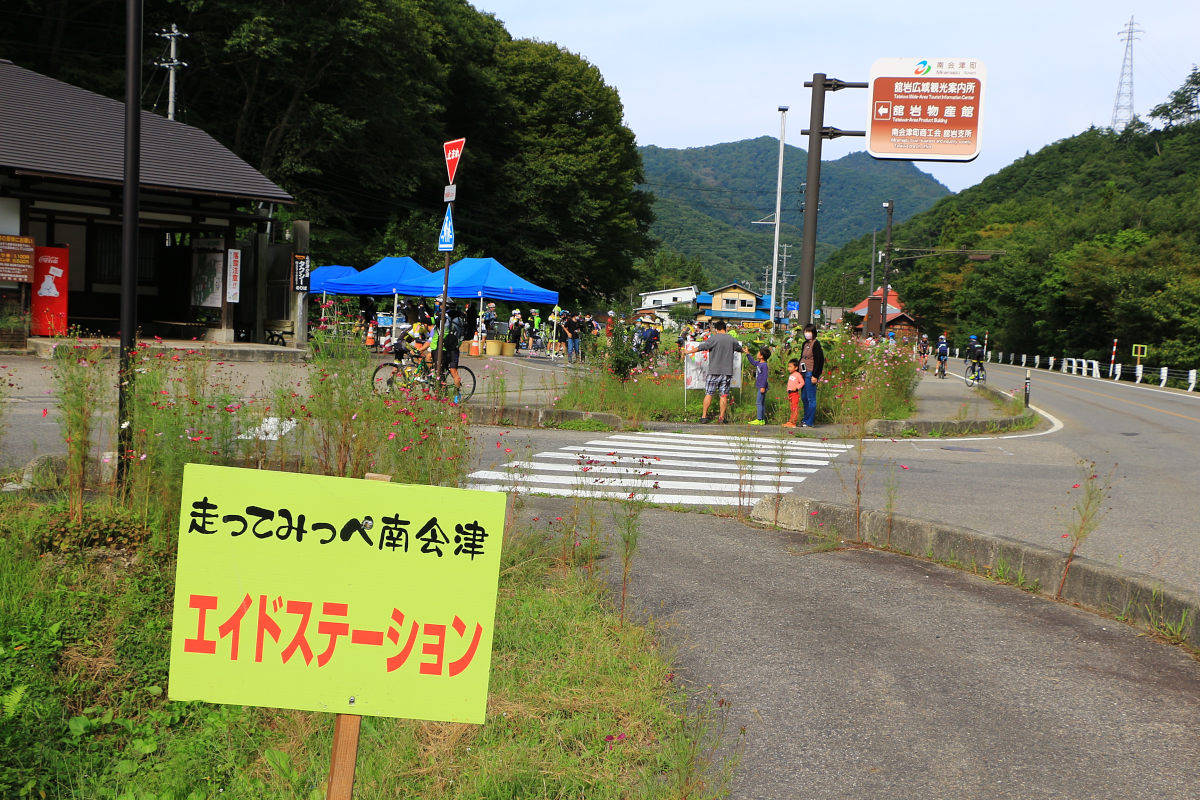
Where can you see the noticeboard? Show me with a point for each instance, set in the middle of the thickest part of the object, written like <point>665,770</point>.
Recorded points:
<point>16,258</point>
<point>301,272</point>
<point>926,109</point>
<point>335,594</point>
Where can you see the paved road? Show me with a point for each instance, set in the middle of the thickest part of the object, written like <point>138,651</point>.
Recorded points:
<point>1021,485</point>
<point>667,468</point>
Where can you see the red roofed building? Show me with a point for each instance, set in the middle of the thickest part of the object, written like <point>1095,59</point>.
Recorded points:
<point>896,318</point>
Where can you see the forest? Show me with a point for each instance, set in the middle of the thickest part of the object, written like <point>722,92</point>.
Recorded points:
<point>346,103</point>
<point>1100,240</point>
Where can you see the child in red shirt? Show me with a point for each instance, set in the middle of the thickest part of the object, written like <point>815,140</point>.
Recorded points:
<point>794,382</point>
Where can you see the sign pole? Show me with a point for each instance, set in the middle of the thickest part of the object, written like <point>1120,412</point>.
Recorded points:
<point>453,152</point>
<point>343,760</point>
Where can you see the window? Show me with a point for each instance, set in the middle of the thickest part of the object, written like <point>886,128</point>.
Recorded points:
<point>729,304</point>
<point>747,303</point>
<point>658,302</point>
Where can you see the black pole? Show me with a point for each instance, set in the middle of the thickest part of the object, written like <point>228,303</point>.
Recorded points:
<point>812,197</point>
<point>129,226</point>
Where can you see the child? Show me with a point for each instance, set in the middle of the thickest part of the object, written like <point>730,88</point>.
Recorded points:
<point>760,382</point>
<point>794,382</point>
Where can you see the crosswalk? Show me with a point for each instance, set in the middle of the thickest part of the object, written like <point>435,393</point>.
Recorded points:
<point>666,468</point>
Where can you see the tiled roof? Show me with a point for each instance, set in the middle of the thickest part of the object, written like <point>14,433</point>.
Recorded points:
<point>53,128</point>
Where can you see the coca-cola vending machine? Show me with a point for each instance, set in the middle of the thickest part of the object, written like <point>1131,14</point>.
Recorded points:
<point>50,291</point>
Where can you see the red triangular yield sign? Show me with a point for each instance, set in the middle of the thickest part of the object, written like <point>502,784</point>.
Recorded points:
<point>453,153</point>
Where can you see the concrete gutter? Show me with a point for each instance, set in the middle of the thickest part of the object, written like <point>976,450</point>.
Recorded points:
<point>1125,595</point>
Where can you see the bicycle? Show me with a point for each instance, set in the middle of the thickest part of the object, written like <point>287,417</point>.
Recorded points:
<point>404,373</point>
<point>975,373</point>
<point>941,368</point>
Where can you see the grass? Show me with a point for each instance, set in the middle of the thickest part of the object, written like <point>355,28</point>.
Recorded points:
<point>875,383</point>
<point>580,705</point>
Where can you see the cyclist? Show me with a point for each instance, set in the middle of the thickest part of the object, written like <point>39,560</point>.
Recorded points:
<point>449,345</point>
<point>943,355</point>
<point>975,355</point>
<point>412,341</point>
<point>923,352</point>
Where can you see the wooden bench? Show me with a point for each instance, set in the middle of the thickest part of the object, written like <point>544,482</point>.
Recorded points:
<point>275,329</point>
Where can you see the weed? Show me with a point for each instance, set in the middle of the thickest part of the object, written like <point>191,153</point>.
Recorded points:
<point>1174,631</point>
<point>1088,511</point>
<point>586,424</point>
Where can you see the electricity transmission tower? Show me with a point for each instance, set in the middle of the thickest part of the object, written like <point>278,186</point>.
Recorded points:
<point>1123,105</point>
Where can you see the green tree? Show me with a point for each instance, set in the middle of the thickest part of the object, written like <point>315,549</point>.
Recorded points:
<point>570,214</point>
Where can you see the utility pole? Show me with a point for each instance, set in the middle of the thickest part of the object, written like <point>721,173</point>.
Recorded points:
<point>890,205</point>
<point>171,65</point>
<point>778,208</point>
<point>130,214</point>
<point>816,132</point>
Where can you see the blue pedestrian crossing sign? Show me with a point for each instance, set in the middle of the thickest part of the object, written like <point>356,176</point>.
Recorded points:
<point>446,237</point>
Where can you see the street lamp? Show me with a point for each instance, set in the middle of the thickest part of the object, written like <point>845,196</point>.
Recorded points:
<point>778,208</point>
<point>887,265</point>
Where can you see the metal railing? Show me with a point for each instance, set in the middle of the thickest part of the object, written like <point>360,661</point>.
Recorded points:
<point>1138,373</point>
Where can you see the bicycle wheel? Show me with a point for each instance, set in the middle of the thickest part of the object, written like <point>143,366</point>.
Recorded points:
<point>970,375</point>
<point>468,384</point>
<point>275,338</point>
<point>981,374</point>
<point>387,377</point>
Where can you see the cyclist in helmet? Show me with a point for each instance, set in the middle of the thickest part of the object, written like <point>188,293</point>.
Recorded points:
<point>943,355</point>
<point>975,353</point>
<point>923,352</point>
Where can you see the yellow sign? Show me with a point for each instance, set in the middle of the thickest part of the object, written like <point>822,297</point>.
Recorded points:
<point>335,594</point>
<point>1139,351</point>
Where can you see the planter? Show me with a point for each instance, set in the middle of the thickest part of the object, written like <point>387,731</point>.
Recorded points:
<point>494,347</point>
<point>509,348</point>
<point>14,340</point>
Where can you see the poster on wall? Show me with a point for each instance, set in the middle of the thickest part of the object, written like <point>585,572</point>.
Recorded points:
<point>233,276</point>
<point>49,307</point>
<point>16,258</point>
<point>208,268</point>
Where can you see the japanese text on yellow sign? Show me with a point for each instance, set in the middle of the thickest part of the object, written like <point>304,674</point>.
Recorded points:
<point>335,594</point>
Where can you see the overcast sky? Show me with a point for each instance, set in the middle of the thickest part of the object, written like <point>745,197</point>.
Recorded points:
<point>698,72</point>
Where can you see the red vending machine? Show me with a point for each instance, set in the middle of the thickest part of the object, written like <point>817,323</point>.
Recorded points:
<point>49,316</point>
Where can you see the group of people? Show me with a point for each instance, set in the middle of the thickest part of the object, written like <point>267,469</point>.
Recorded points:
<point>803,374</point>
<point>561,333</point>
<point>975,352</point>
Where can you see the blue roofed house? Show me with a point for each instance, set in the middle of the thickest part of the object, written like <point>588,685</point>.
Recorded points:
<point>736,304</point>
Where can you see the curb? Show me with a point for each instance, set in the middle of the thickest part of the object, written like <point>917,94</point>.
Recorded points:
<point>1128,596</point>
<point>215,351</point>
<point>535,416</point>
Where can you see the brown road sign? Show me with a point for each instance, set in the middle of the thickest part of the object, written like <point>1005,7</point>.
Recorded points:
<point>926,109</point>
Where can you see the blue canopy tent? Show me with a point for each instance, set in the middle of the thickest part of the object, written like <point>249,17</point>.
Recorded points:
<point>386,276</point>
<point>322,275</point>
<point>483,277</point>
<point>383,277</point>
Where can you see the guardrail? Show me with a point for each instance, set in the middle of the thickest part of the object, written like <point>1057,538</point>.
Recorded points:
<point>1140,373</point>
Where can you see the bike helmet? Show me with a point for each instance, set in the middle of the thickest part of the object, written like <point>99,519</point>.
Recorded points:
<point>941,338</point>
<point>974,338</point>
<point>924,335</point>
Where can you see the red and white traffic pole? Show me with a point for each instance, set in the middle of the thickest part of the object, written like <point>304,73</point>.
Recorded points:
<point>1112,364</point>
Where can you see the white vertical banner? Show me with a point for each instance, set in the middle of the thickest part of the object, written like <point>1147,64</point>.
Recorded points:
<point>233,276</point>
<point>695,370</point>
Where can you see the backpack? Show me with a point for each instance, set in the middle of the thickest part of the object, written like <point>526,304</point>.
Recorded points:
<point>454,333</point>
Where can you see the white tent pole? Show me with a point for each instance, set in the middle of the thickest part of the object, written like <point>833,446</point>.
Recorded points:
<point>395,310</point>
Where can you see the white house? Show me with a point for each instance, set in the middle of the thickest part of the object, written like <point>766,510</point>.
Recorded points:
<point>660,300</point>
